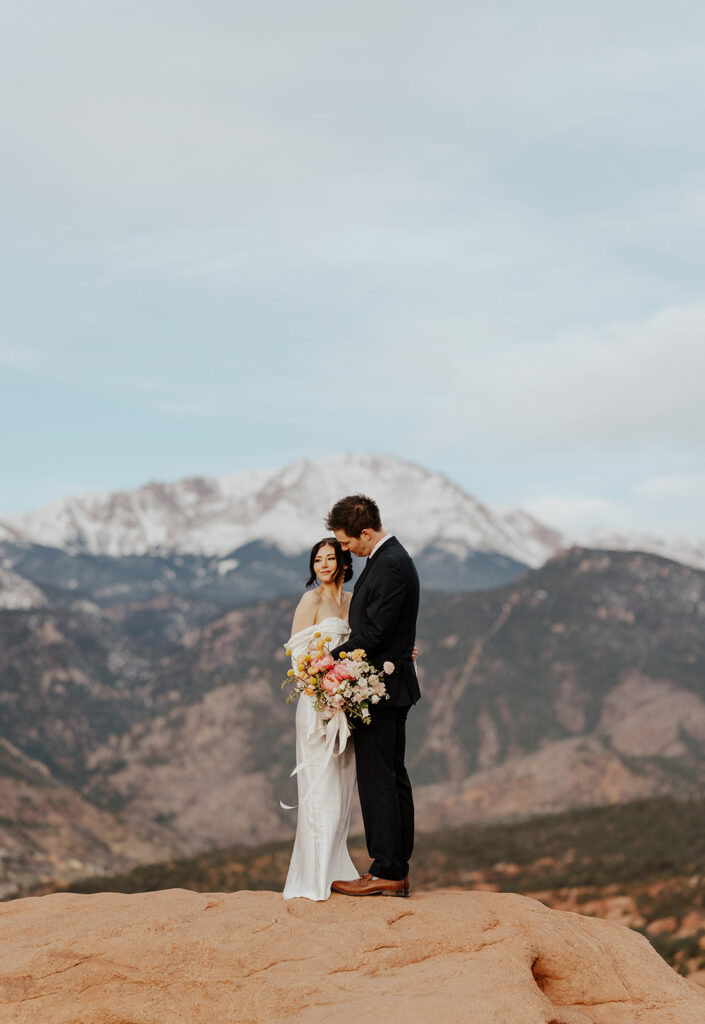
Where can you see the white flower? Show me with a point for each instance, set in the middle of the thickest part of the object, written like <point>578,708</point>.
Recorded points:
<point>388,667</point>
<point>374,698</point>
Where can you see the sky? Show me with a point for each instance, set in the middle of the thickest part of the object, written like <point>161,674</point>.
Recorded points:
<point>467,234</point>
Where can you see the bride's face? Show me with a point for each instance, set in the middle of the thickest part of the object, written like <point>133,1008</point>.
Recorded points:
<point>325,564</point>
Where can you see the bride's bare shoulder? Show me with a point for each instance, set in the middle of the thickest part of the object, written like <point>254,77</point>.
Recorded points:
<point>305,614</point>
<point>310,600</point>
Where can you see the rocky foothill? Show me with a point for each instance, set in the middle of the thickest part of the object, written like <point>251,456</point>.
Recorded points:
<point>579,684</point>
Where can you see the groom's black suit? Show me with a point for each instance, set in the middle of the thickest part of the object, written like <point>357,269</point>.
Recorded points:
<point>382,614</point>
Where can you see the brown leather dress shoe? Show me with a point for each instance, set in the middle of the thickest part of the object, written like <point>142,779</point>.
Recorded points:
<point>369,886</point>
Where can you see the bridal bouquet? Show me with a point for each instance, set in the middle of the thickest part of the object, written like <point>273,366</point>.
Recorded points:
<point>348,685</point>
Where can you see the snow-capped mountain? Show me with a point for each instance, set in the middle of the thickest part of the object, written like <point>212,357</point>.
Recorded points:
<point>685,551</point>
<point>284,507</point>
<point>18,593</point>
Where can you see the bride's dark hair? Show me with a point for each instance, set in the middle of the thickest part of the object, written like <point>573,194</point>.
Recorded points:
<point>343,561</point>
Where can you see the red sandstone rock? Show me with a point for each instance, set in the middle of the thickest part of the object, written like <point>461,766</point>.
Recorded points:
<point>180,957</point>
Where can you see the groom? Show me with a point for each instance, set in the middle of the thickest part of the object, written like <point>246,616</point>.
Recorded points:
<point>383,612</point>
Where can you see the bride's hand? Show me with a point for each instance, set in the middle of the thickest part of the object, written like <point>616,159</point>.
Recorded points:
<point>414,653</point>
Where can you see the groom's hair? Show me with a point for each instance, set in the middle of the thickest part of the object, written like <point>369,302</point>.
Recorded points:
<point>354,514</point>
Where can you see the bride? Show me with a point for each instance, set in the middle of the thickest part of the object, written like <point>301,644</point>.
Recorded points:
<point>320,853</point>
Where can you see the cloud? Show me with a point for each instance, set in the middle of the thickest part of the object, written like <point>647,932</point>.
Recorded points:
<point>669,505</point>
<point>19,357</point>
<point>462,158</point>
<point>627,386</point>
<point>142,115</point>
<point>488,218</point>
<point>670,486</point>
<point>577,513</point>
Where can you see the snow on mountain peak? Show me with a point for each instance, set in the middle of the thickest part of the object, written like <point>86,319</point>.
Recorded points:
<point>17,593</point>
<point>679,550</point>
<point>285,507</point>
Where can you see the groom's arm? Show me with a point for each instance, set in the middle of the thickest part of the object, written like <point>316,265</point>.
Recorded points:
<point>382,615</point>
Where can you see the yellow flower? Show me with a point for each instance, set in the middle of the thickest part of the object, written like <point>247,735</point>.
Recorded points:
<point>342,654</point>
<point>288,653</point>
<point>316,635</point>
<point>327,639</point>
<point>290,672</point>
<point>308,658</point>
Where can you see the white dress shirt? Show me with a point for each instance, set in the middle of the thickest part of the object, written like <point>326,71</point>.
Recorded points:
<point>378,545</point>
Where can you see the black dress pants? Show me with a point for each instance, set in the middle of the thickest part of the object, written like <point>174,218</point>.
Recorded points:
<point>385,791</point>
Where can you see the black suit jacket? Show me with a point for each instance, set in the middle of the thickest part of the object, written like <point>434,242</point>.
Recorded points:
<point>382,615</point>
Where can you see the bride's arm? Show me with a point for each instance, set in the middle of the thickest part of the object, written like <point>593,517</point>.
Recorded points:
<point>305,614</point>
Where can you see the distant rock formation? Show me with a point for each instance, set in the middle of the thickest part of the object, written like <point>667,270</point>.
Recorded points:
<point>582,683</point>
<point>48,830</point>
<point>176,956</point>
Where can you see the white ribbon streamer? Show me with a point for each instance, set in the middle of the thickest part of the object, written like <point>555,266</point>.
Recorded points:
<point>338,728</point>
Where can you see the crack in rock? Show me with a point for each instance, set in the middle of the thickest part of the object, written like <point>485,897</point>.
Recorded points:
<point>275,963</point>
<point>70,967</point>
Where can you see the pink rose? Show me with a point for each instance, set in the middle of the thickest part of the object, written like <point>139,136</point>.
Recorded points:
<point>330,683</point>
<point>342,672</point>
<point>323,664</point>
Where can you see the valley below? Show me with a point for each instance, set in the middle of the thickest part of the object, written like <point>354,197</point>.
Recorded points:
<point>147,742</point>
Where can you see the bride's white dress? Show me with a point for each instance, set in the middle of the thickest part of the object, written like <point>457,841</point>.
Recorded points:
<point>320,852</point>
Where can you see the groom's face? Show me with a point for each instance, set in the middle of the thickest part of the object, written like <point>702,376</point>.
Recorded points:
<point>360,546</point>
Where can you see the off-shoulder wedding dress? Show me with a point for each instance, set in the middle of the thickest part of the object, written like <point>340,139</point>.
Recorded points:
<point>320,853</point>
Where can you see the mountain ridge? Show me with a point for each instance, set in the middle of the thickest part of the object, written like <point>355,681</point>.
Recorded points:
<point>286,507</point>
<point>212,516</point>
<point>579,683</point>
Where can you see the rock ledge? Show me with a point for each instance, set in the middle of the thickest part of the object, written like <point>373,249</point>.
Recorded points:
<point>180,957</point>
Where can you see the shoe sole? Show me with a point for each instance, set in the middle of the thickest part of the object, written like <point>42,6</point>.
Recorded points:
<point>377,892</point>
